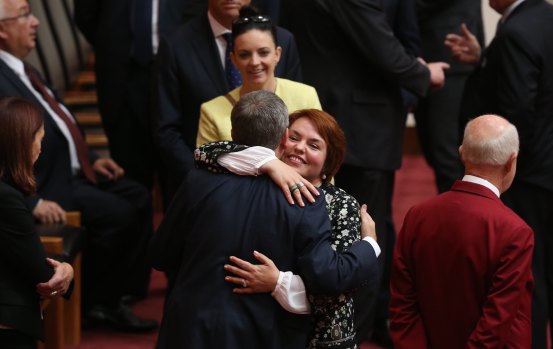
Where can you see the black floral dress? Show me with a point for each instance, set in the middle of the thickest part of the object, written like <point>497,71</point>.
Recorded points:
<point>332,314</point>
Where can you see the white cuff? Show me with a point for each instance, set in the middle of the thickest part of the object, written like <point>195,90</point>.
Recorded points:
<point>374,244</point>
<point>290,293</point>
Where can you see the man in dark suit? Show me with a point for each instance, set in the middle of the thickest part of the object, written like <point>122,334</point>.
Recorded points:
<point>437,115</point>
<point>513,79</point>
<point>214,216</point>
<point>114,209</point>
<point>124,73</point>
<point>461,275</point>
<point>351,57</point>
<point>191,72</point>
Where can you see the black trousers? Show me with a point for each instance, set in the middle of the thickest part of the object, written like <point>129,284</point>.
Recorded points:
<point>125,106</point>
<point>118,219</point>
<point>374,188</point>
<point>535,205</point>
<point>12,339</point>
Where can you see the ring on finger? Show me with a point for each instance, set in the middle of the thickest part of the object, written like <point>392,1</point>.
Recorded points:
<point>300,185</point>
<point>54,293</point>
<point>244,283</point>
<point>294,187</point>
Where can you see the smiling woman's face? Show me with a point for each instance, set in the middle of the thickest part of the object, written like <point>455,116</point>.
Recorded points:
<point>305,150</point>
<point>256,56</point>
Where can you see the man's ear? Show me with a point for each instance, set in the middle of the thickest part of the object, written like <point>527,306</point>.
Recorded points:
<point>3,34</point>
<point>284,138</point>
<point>461,153</point>
<point>512,162</point>
<point>278,151</point>
<point>278,52</point>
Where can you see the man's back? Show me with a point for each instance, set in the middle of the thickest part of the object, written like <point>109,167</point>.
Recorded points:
<point>462,273</point>
<point>222,215</point>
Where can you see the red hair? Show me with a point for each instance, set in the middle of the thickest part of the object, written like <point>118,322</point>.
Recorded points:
<point>331,133</point>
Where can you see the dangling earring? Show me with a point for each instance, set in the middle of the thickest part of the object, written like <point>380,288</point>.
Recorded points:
<point>323,177</point>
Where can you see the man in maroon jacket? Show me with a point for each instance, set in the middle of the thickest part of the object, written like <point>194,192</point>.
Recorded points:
<point>461,274</point>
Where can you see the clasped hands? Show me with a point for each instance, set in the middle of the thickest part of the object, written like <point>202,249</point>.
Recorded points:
<point>50,212</point>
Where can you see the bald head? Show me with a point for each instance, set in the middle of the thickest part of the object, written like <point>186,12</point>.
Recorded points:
<point>489,140</point>
<point>490,150</point>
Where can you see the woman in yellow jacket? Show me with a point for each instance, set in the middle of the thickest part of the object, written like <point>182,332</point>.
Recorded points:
<point>255,54</point>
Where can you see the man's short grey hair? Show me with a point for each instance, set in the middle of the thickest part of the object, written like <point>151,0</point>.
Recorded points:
<point>493,146</point>
<point>259,118</point>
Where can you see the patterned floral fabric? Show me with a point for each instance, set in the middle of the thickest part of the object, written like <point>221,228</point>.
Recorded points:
<point>332,314</point>
<point>206,155</point>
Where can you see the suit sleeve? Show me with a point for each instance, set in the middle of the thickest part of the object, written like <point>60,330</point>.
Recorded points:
<point>406,27</point>
<point>365,23</point>
<point>511,287</point>
<point>21,246</point>
<point>324,270</point>
<point>406,325</point>
<point>518,84</point>
<point>173,148</point>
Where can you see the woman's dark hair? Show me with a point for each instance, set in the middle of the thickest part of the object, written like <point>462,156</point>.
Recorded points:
<point>250,19</point>
<point>331,133</point>
<point>20,120</point>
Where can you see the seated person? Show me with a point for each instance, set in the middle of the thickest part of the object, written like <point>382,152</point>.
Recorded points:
<point>116,211</point>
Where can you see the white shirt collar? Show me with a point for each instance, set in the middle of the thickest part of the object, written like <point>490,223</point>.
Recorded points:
<point>13,62</point>
<point>510,10</point>
<point>217,28</point>
<point>481,181</point>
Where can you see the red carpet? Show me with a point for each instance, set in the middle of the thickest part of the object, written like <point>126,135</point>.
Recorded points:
<point>414,183</point>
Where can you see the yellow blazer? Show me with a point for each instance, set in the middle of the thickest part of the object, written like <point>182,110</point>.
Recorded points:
<point>215,123</point>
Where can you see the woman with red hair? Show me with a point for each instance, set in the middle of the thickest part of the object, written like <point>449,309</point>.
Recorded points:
<point>310,155</point>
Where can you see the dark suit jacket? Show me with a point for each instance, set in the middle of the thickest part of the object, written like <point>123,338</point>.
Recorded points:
<point>124,84</point>
<point>53,167</point>
<point>22,264</point>
<point>98,20</point>
<point>515,80</point>
<point>402,16</point>
<point>214,216</point>
<point>461,274</point>
<point>349,54</point>
<point>190,73</point>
